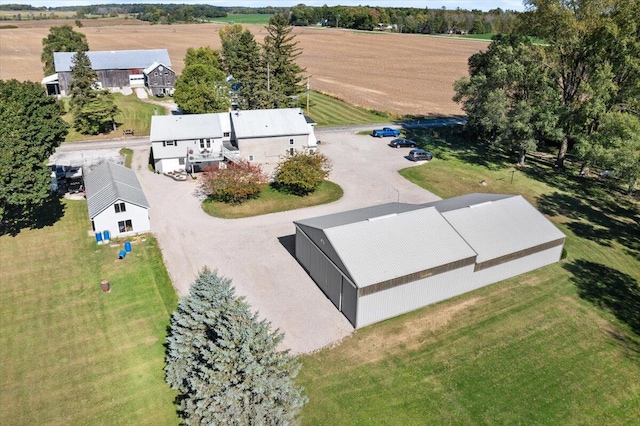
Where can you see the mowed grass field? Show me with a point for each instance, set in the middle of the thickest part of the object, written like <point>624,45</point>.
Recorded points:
<point>71,353</point>
<point>331,111</point>
<point>133,114</point>
<point>560,345</point>
<point>243,18</point>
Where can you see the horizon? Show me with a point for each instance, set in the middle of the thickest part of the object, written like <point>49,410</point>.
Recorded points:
<point>484,5</point>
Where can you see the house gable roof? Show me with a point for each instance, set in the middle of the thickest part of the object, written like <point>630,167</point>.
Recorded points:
<point>185,127</point>
<point>263,123</point>
<point>115,59</point>
<point>155,65</point>
<point>109,183</point>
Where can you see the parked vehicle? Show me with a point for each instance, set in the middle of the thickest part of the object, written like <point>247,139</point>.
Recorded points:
<point>385,132</point>
<point>420,155</point>
<point>402,142</point>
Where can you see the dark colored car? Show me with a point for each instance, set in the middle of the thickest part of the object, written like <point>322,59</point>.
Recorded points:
<point>420,155</point>
<point>402,142</point>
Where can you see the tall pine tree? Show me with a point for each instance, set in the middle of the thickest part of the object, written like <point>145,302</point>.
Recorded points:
<point>225,362</point>
<point>280,52</point>
<point>93,110</point>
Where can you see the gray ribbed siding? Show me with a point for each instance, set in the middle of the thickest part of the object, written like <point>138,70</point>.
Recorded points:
<point>327,276</point>
<point>409,297</point>
<point>516,267</point>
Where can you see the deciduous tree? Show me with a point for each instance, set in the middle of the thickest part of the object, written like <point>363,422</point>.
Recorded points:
<point>61,39</point>
<point>225,361</point>
<point>31,127</point>
<point>202,88</point>
<point>302,173</point>
<point>234,184</point>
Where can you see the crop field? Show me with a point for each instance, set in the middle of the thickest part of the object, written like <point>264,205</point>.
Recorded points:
<point>396,73</point>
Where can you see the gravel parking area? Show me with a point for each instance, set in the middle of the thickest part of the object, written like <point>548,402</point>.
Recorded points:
<point>257,252</point>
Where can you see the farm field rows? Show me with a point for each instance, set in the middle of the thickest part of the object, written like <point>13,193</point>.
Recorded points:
<point>397,73</point>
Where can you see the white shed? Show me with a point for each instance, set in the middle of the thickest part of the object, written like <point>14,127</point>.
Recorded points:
<point>379,262</point>
<point>116,201</point>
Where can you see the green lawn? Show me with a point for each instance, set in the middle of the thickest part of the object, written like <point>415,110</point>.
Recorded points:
<point>559,345</point>
<point>272,201</point>
<point>329,111</point>
<point>72,354</point>
<point>239,18</point>
<point>134,114</point>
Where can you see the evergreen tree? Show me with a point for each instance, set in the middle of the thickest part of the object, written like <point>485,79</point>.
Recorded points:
<point>61,39</point>
<point>31,127</point>
<point>93,110</point>
<point>225,362</point>
<point>280,52</point>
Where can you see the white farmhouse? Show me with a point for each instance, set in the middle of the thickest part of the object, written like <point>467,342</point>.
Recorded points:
<point>115,201</point>
<point>192,142</point>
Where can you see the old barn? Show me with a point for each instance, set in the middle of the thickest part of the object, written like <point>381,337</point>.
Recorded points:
<point>115,69</point>
<point>382,261</point>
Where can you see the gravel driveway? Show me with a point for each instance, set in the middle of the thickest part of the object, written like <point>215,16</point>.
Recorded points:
<point>257,252</point>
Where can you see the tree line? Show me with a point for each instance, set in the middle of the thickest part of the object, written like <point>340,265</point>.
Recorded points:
<point>579,92</point>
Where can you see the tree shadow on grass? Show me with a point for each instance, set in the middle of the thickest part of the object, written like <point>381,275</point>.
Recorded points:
<point>37,217</point>
<point>608,288</point>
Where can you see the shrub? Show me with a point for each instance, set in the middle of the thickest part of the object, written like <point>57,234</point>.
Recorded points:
<point>302,173</point>
<point>235,184</point>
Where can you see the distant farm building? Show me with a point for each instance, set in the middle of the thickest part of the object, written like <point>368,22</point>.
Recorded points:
<point>116,201</point>
<point>117,69</point>
<point>192,142</point>
<point>382,261</point>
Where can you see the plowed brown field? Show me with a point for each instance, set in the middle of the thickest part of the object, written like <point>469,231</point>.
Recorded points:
<point>398,73</point>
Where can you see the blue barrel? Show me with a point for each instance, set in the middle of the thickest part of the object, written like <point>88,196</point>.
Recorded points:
<point>99,237</point>
<point>127,246</point>
<point>107,235</point>
<point>122,254</point>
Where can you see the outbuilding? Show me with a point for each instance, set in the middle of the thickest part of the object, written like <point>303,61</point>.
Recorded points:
<point>116,201</point>
<point>382,261</point>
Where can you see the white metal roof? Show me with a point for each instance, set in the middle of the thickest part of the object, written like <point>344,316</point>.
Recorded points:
<point>114,60</point>
<point>53,78</point>
<point>392,246</point>
<point>262,123</point>
<point>500,227</point>
<point>188,126</point>
<point>154,65</point>
<point>110,182</point>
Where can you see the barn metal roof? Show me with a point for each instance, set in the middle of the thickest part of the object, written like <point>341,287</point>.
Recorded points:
<point>109,183</point>
<point>181,127</point>
<point>463,201</point>
<point>358,215</point>
<point>262,123</point>
<point>114,59</point>
<point>392,246</point>
<point>498,228</point>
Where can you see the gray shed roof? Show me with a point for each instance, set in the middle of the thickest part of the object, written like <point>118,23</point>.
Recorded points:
<point>189,126</point>
<point>109,183</point>
<point>358,215</point>
<point>498,228</point>
<point>115,59</point>
<point>261,123</point>
<point>396,245</point>
<point>463,201</point>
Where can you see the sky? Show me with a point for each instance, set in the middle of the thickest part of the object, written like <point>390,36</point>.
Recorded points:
<point>431,4</point>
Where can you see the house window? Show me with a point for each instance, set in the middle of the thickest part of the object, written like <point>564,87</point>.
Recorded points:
<point>170,143</point>
<point>181,161</point>
<point>251,158</point>
<point>205,143</point>
<point>166,73</point>
<point>290,141</point>
<point>226,134</point>
<point>120,207</point>
<point>125,226</point>
<point>155,74</point>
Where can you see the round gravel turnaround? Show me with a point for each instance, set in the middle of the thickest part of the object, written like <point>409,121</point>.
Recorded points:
<point>257,253</point>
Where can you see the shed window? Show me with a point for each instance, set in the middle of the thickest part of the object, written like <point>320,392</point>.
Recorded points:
<point>251,158</point>
<point>181,161</point>
<point>155,73</point>
<point>125,226</point>
<point>290,141</point>
<point>120,207</point>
